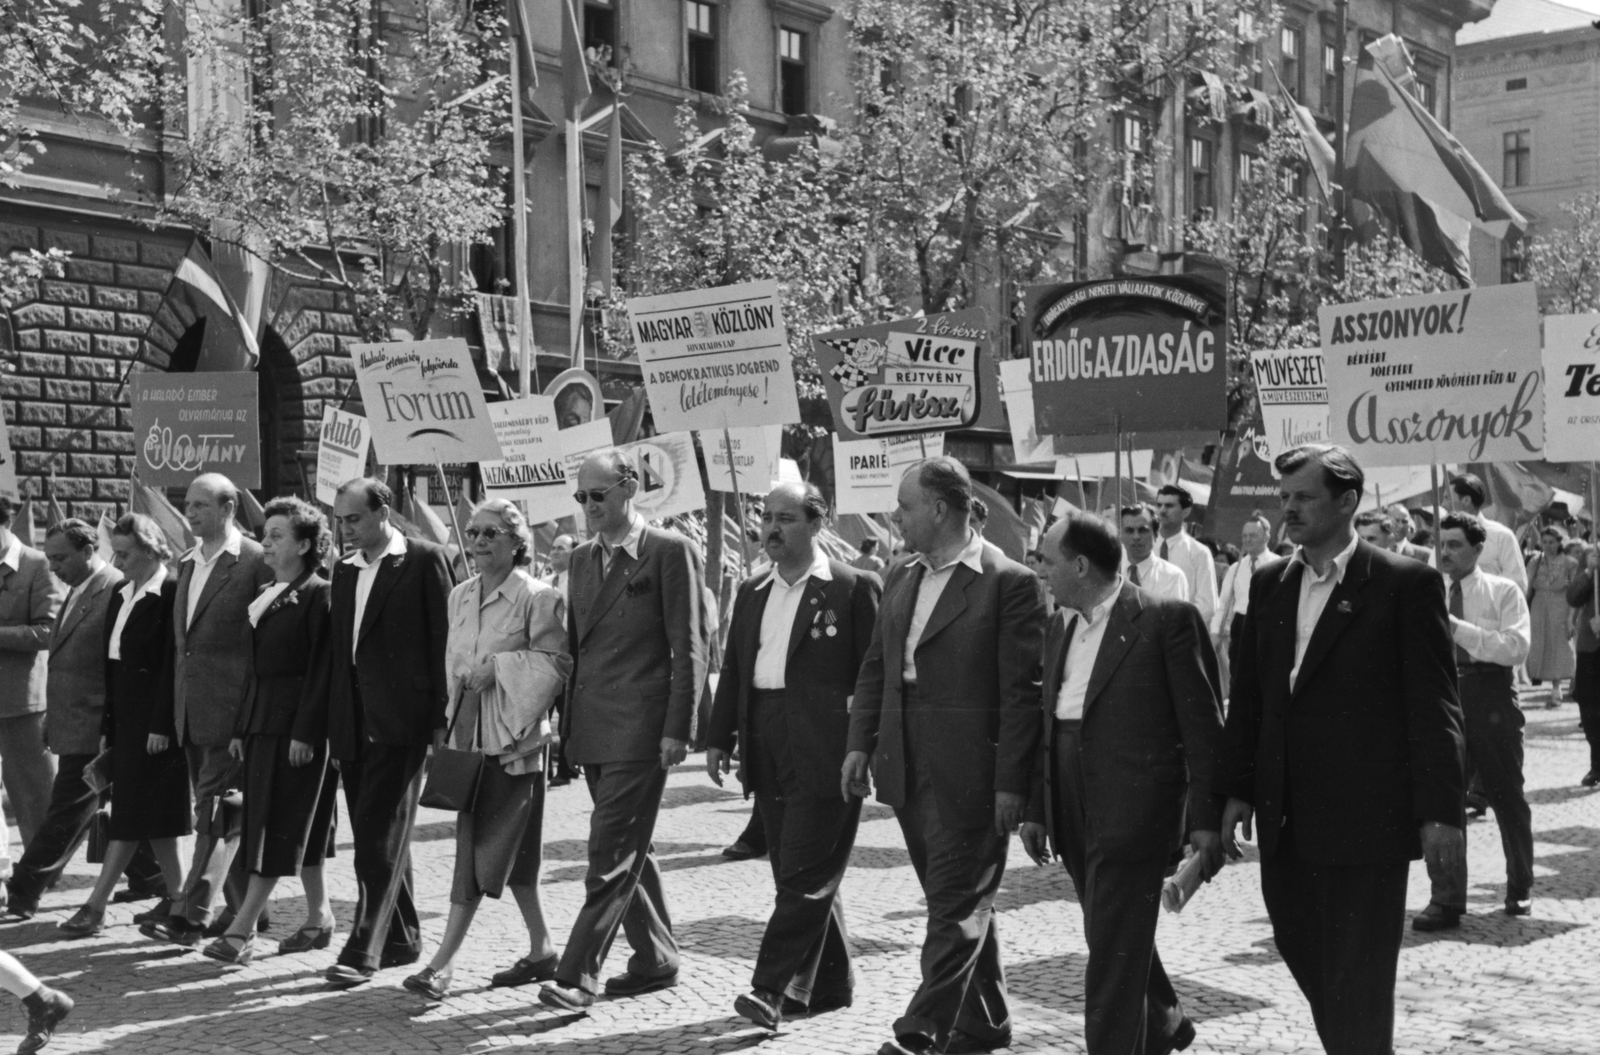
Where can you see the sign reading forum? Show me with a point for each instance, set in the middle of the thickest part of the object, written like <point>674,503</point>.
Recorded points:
<point>424,402</point>
<point>1443,377</point>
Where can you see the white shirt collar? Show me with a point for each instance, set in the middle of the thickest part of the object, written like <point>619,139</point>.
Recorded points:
<point>232,542</point>
<point>1340,563</point>
<point>819,570</point>
<point>1472,578</point>
<point>395,548</point>
<point>1099,611</point>
<point>971,555</point>
<point>630,541</point>
<point>12,558</point>
<point>152,585</point>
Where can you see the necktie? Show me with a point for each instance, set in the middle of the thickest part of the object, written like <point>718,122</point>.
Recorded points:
<point>1458,610</point>
<point>1163,549</point>
<point>1133,574</point>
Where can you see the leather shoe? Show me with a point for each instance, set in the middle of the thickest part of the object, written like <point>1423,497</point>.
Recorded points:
<point>177,930</point>
<point>161,911</point>
<point>630,984</point>
<point>84,923</point>
<point>19,911</point>
<point>524,971</point>
<point>429,983</point>
<point>1183,1036</point>
<point>224,923</point>
<point>44,1015</point>
<point>565,998</point>
<point>1590,779</point>
<point>742,851</point>
<point>346,977</point>
<point>761,1006</point>
<point>130,894</point>
<point>907,1045</point>
<point>820,1004</point>
<point>1437,917</point>
<point>305,939</point>
<point>1519,906</point>
<point>230,948</point>
<point>963,1043</point>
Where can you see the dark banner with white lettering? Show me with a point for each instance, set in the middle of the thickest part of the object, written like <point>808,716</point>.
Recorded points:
<point>1145,354</point>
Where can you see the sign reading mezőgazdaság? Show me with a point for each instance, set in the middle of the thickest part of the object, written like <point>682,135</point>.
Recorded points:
<point>424,402</point>
<point>1145,354</point>
<point>188,424</point>
<point>533,467</point>
<point>1442,377</point>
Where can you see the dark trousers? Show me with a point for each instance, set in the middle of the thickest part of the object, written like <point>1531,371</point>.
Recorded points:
<point>66,822</point>
<point>805,952</point>
<point>1494,743</point>
<point>381,789</point>
<point>1338,929</point>
<point>1586,690</point>
<point>1129,1003</point>
<point>212,773</point>
<point>1235,635</point>
<point>623,885</point>
<point>963,985</point>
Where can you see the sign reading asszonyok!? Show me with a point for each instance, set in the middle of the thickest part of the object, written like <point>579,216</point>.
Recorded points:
<point>1145,354</point>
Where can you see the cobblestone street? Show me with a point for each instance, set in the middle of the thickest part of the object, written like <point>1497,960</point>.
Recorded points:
<point>1497,984</point>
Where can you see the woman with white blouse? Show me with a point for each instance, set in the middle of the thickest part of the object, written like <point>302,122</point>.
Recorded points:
<point>506,662</point>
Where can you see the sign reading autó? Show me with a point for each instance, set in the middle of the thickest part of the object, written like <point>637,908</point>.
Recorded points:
<point>424,402</point>
<point>1142,354</point>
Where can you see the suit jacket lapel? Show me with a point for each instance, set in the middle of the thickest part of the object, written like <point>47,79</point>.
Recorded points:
<point>622,569</point>
<point>952,602</point>
<point>388,574</point>
<point>810,605</point>
<point>749,642</point>
<point>896,615</point>
<point>1114,644</point>
<point>1342,606</point>
<point>214,584</point>
<point>68,621</point>
<point>1055,640</point>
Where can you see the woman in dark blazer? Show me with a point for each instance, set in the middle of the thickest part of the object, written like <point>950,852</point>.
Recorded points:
<point>282,736</point>
<point>149,776</point>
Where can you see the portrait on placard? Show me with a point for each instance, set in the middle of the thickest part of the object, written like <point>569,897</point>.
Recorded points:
<point>576,396</point>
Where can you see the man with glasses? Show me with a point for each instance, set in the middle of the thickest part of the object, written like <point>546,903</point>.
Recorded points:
<point>638,642</point>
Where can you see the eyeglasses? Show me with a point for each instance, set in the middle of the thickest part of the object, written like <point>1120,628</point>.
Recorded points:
<point>585,497</point>
<point>488,534</point>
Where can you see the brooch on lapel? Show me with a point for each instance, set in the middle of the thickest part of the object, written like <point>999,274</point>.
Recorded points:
<point>1343,608</point>
<point>826,619</point>
<point>638,587</point>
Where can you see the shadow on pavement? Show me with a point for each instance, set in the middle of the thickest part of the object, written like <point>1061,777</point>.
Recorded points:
<point>1057,982</point>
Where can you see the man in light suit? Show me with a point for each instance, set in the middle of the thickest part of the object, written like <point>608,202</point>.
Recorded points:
<point>385,693</point>
<point>76,697</point>
<point>1131,721</point>
<point>946,714</point>
<point>797,638</point>
<point>29,601</point>
<point>1344,734</point>
<point>638,638</point>
<point>206,680</point>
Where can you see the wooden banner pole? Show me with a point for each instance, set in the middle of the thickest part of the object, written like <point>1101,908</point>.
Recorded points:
<point>1117,458</point>
<point>738,503</point>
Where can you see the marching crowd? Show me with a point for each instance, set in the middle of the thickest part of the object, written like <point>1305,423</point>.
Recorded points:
<point>1124,700</point>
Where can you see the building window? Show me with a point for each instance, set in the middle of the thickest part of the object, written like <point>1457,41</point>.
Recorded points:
<point>701,46</point>
<point>793,76</point>
<point>1511,261</point>
<point>1517,84</point>
<point>1427,90</point>
<point>1202,178</point>
<point>600,31</point>
<point>1516,156</point>
<point>1245,170</point>
<point>1291,49</point>
<point>1248,55</point>
<point>1330,77</point>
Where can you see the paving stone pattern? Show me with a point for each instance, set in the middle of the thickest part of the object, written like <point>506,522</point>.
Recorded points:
<point>1498,984</point>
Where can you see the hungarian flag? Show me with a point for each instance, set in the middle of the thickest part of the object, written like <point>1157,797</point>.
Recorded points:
<point>207,330</point>
<point>142,498</point>
<point>1417,176</point>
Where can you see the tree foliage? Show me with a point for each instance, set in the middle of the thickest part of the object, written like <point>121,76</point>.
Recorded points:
<point>344,151</point>
<point>1565,262</point>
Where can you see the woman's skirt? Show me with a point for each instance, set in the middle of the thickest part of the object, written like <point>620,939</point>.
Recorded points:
<point>501,840</point>
<point>290,816</point>
<point>1551,655</point>
<point>149,793</point>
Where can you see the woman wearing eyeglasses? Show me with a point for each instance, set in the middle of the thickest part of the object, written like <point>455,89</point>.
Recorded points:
<point>506,661</point>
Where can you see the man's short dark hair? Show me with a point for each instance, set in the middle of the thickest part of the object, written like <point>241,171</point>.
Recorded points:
<point>376,492</point>
<point>80,534</point>
<point>8,506</point>
<point>1094,539</point>
<point>868,546</point>
<point>814,504</point>
<point>948,480</point>
<point>1371,517</point>
<point>1137,509</point>
<point>1467,485</point>
<point>1467,524</point>
<point>1339,470</point>
<point>1185,499</point>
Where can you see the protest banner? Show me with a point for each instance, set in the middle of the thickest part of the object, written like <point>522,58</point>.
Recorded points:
<point>576,396</point>
<point>928,374</point>
<point>1292,390</point>
<point>8,464</point>
<point>1104,463</point>
<point>532,466</point>
<point>755,457</point>
<point>1144,355</point>
<point>867,473</point>
<point>1244,484</point>
<point>1442,377</point>
<point>341,451</point>
<point>1026,444</point>
<point>188,424</point>
<point>715,358</point>
<point>497,319</point>
<point>668,473</point>
<point>424,402</point>
<point>1572,395</point>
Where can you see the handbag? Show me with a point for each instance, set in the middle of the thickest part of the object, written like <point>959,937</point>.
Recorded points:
<point>453,774</point>
<point>99,835</point>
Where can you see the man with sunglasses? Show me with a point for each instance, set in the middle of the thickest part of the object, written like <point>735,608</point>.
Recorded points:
<point>638,642</point>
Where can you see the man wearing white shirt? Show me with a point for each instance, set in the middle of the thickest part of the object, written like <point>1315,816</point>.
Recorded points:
<point>1141,566</point>
<point>1177,546</point>
<point>1502,553</point>
<point>1400,534</point>
<point>1235,600</point>
<point>559,575</point>
<point>1492,631</point>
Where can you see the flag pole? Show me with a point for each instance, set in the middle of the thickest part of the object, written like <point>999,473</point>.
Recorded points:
<point>575,240</point>
<point>1116,418</point>
<point>1433,470</point>
<point>519,198</point>
<point>1341,34</point>
<point>738,502</point>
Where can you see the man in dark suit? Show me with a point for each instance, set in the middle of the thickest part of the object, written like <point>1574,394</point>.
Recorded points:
<point>76,697</point>
<point>638,639</point>
<point>796,641</point>
<point>1131,721</point>
<point>29,601</point>
<point>206,682</point>
<point>946,712</point>
<point>384,690</point>
<point>1344,742</point>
